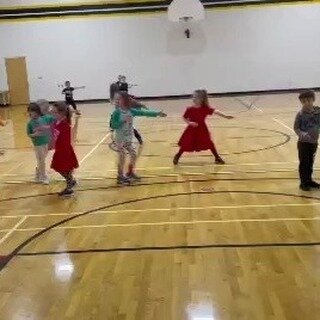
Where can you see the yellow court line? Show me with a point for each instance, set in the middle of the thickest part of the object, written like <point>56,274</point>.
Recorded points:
<point>12,169</point>
<point>249,206</point>
<point>194,166</point>
<point>169,223</point>
<point>13,229</point>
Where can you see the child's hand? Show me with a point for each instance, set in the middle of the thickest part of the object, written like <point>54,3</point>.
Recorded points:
<point>35,134</point>
<point>41,128</point>
<point>193,124</point>
<point>3,123</point>
<point>304,134</point>
<point>162,114</point>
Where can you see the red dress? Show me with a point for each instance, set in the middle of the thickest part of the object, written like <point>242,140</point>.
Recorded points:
<point>64,159</point>
<point>196,138</point>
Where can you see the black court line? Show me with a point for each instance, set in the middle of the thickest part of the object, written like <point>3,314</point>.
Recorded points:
<point>170,248</point>
<point>147,184</point>
<point>5,260</point>
<point>277,145</point>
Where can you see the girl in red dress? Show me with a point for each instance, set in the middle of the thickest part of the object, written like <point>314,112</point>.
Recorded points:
<point>196,136</point>
<point>64,160</point>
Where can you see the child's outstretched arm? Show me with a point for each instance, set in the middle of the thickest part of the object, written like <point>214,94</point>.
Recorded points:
<point>77,88</point>
<point>222,115</point>
<point>147,113</point>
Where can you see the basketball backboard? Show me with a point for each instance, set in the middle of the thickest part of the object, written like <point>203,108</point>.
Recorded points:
<point>186,10</point>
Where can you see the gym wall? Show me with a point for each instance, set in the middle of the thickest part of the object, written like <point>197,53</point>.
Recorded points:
<point>248,49</point>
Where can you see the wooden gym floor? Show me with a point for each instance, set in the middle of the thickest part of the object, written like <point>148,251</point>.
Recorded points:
<point>195,242</point>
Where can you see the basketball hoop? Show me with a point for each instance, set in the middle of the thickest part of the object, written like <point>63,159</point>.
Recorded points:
<point>186,11</point>
<point>186,20</point>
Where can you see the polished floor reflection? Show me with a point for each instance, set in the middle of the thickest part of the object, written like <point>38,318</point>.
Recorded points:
<point>192,242</point>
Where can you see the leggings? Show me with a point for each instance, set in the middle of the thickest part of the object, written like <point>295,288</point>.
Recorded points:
<point>69,179</point>
<point>123,148</point>
<point>136,134</point>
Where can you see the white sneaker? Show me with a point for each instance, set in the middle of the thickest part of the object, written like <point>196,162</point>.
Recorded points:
<point>45,181</point>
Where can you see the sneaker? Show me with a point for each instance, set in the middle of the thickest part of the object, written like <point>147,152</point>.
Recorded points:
<point>123,181</point>
<point>176,159</point>
<point>133,176</point>
<point>73,184</point>
<point>78,113</point>
<point>314,185</point>
<point>66,193</point>
<point>219,161</point>
<point>304,187</point>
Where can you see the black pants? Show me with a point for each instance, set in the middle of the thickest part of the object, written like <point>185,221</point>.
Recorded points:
<point>307,153</point>
<point>72,103</point>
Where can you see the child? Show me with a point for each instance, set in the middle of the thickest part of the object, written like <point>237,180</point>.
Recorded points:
<point>120,85</point>
<point>306,126</point>
<point>196,136</point>
<point>134,104</point>
<point>50,119</point>
<point>68,92</point>
<point>64,160</point>
<point>122,123</point>
<point>40,140</point>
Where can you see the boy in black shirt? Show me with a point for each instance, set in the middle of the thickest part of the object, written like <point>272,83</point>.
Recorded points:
<point>120,85</point>
<point>68,92</point>
<point>307,126</point>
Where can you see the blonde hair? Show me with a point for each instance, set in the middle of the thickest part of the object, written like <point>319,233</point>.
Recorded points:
<point>63,109</point>
<point>44,105</point>
<point>202,95</point>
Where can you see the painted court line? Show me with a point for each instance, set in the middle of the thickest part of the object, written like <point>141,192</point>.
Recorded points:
<point>248,206</point>
<point>94,148</point>
<point>181,166</point>
<point>12,169</point>
<point>274,119</point>
<point>15,227</point>
<point>166,223</point>
<point>283,124</point>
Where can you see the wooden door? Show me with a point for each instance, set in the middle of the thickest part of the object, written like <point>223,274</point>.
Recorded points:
<point>17,77</point>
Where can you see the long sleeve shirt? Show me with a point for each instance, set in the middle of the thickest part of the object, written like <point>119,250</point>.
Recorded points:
<point>307,125</point>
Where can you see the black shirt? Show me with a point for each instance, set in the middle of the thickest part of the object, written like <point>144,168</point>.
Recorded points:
<point>116,87</point>
<point>122,86</point>
<point>68,92</point>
